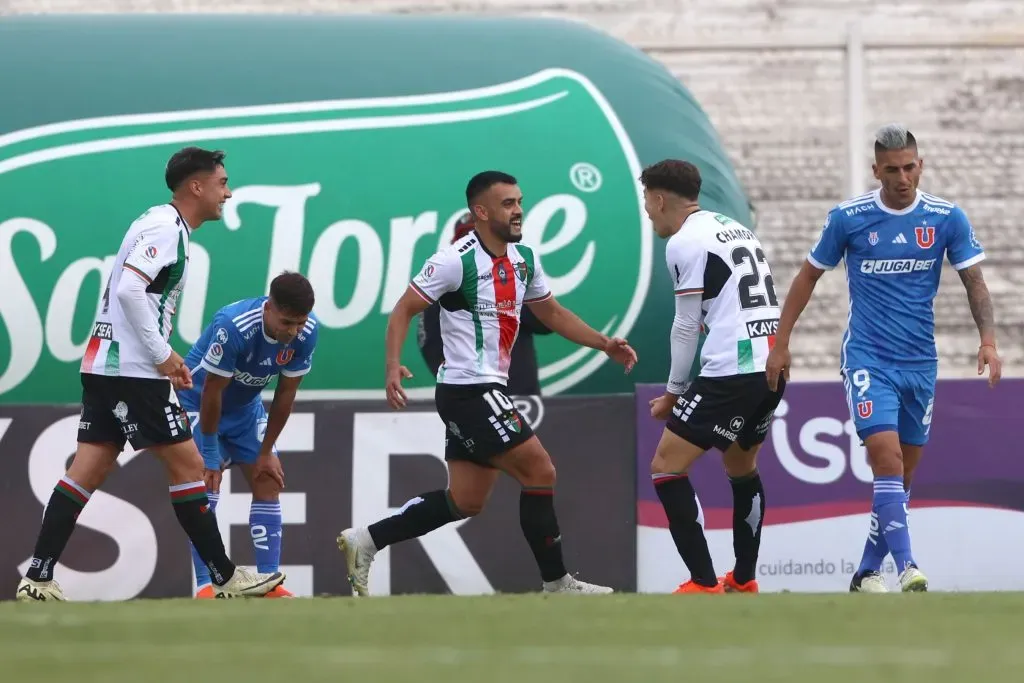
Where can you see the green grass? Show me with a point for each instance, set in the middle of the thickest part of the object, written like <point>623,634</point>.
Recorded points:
<point>933,638</point>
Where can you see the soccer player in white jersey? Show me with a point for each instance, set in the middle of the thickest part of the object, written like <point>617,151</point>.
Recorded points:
<point>722,282</point>
<point>893,240</point>
<point>128,375</point>
<point>481,282</point>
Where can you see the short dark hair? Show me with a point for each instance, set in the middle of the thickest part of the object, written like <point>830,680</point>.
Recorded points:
<point>673,175</point>
<point>190,160</point>
<point>483,181</point>
<point>292,292</point>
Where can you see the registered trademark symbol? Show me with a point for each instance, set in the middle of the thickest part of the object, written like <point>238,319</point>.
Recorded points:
<point>585,177</point>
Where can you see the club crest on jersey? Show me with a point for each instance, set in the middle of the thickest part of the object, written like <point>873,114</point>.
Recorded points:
<point>872,238</point>
<point>513,424</point>
<point>284,356</point>
<point>520,269</point>
<point>925,236</point>
<point>502,274</point>
<point>865,408</point>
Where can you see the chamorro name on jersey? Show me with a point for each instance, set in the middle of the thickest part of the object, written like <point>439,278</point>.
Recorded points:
<point>236,345</point>
<point>155,248</point>
<point>481,297</point>
<point>893,266</point>
<point>716,257</point>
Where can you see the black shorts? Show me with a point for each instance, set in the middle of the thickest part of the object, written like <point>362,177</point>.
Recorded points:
<point>144,412</point>
<point>480,421</point>
<point>715,412</point>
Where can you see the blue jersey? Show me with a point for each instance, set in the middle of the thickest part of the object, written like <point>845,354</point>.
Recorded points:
<point>235,345</point>
<point>893,263</point>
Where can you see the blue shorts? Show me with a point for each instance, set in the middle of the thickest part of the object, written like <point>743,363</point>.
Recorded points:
<point>884,400</point>
<point>240,432</point>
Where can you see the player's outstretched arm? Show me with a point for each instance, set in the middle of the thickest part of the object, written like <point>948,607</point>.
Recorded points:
<point>797,298</point>
<point>564,322</point>
<point>408,307</point>
<point>984,317</point>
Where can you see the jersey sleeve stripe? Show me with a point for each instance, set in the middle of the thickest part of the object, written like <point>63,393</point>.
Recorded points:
<point>969,262</point>
<point>818,264</point>
<point>422,294</point>
<point>215,370</point>
<point>240,320</point>
<point>543,297</point>
<point>692,290</point>
<point>295,373</point>
<point>148,279</point>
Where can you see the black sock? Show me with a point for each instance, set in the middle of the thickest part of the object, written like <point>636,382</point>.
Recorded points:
<point>192,507</point>
<point>747,518</point>
<point>540,527</point>
<point>680,503</point>
<point>66,503</point>
<point>419,516</point>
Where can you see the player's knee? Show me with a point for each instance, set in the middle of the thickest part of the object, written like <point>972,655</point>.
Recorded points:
<point>541,473</point>
<point>886,462</point>
<point>266,490</point>
<point>660,464</point>
<point>467,505</point>
<point>739,461</point>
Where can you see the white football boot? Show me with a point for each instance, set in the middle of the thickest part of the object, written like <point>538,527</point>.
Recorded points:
<point>570,584</point>
<point>869,582</point>
<point>39,591</point>
<point>913,580</point>
<point>247,584</point>
<point>359,552</point>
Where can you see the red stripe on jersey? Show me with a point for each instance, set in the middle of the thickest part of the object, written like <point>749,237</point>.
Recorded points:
<point>90,353</point>
<point>505,301</point>
<point>423,295</point>
<point>771,342</point>
<point>138,272</point>
<point>696,290</point>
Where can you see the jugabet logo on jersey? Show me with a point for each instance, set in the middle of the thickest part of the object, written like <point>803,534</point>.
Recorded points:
<point>356,194</point>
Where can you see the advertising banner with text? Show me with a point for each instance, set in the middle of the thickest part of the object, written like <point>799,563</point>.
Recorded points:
<point>345,463</point>
<point>314,162</point>
<point>966,503</point>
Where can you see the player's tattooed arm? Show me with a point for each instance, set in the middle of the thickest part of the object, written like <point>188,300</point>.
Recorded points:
<point>980,302</point>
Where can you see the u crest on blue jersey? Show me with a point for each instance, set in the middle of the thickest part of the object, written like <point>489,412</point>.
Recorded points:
<point>284,356</point>
<point>925,236</point>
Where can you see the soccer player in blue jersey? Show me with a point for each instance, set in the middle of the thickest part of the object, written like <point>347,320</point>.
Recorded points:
<point>248,344</point>
<point>893,241</point>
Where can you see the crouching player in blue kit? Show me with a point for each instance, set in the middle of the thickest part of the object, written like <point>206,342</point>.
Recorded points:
<point>893,241</point>
<point>249,343</point>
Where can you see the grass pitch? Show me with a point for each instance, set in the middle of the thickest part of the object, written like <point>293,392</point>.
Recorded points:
<point>933,638</point>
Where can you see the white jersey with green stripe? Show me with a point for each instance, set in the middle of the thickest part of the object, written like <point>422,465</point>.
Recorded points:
<point>481,297</point>
<point>155,248</point>
<point>716,258</point>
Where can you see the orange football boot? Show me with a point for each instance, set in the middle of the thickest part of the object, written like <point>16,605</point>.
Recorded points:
<point>205,593</point>
<point>691,587</point>
<point>730,585</point>
<point>280,592</point>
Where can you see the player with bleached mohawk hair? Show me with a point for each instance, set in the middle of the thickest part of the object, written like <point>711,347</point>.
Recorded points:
<point>893,240</point>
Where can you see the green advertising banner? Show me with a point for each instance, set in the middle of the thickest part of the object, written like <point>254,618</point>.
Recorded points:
<point>354,186</point>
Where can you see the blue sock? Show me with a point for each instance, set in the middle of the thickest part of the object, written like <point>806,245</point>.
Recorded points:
<point>265,526</point>
<point>876,547</point>
<point>890,504</point>
<point>202,571</point>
